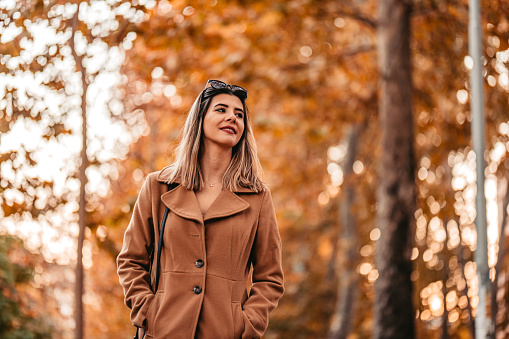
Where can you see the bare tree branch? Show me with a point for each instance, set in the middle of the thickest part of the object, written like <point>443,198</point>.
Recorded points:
<point>355,14</point>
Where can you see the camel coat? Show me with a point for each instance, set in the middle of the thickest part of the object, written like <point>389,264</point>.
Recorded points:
<point>205,263</point>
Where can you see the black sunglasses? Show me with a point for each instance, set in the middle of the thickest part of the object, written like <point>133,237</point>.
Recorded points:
<point>218,84</point>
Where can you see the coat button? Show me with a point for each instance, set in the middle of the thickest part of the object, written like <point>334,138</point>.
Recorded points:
<point>197,289</point>
<point>199,263</point>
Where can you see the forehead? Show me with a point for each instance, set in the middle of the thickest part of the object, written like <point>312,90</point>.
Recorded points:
<point>227,99</point>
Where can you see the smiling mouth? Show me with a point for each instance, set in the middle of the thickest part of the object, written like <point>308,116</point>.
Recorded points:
<point>228,130</point>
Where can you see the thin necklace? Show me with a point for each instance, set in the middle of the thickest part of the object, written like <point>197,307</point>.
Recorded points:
<point>211,185</point>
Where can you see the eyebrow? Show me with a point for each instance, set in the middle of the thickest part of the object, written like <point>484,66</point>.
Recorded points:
<point>226,106</point>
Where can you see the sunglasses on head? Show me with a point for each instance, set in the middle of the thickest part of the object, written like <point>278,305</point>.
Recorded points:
<point>218,84</point>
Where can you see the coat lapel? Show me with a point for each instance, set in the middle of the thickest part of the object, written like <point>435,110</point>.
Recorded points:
<point>182,202</point>
<point>227,203</point>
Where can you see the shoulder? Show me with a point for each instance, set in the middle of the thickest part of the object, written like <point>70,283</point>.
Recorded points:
<point>256,198</point>
<point>163,176</point>
<point>156,181</point>
<point>266,193</point>
<point>152,179</point>
<point>262,191</point>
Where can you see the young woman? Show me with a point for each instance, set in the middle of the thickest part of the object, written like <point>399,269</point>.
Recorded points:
<point>220,224</point>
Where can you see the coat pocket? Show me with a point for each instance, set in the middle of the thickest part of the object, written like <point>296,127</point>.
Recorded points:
<point>152,313</point>
<point>238,320</point>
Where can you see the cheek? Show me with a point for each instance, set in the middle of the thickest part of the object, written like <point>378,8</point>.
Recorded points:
<point>206,125</point>
<point>241,127</point>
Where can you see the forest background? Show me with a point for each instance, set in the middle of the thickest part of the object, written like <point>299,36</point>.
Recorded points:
<point>130,70</point>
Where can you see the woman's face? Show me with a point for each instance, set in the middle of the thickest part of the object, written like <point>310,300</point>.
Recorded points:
<point>223,124</point>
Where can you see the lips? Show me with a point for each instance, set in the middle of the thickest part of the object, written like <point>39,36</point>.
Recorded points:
<point>228,129</point>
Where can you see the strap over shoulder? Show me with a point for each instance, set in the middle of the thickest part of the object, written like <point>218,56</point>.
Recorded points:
<point>160,245</point>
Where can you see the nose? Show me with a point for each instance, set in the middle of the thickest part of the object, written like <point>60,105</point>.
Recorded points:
<point>231,117</point>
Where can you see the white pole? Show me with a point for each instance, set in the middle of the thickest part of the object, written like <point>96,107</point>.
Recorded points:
<point>482,323</point>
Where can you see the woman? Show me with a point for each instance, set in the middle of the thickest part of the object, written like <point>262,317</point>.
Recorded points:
<point>220,224</point>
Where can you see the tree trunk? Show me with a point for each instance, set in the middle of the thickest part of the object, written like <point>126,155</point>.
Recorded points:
<point>79,283</point>
<point>394,313</point>
<point>500,260</point>
<point>463,260</point>
<point>342,318</point>
<point>445,276</point>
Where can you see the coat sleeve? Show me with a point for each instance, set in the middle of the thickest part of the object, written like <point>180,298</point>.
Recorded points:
<point>133,262</point>
<point>267,286</point>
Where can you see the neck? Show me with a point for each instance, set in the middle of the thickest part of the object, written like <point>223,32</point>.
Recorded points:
<point>214,163</point>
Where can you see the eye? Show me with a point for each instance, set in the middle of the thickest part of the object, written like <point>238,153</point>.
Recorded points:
<point>222,110</point>
<point>239,115</point>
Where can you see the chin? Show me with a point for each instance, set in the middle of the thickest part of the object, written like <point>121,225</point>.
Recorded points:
<point>230,143</point>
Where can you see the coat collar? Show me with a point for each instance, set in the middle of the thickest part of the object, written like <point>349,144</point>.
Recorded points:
<point>183,202</point>
<point>164,175</point>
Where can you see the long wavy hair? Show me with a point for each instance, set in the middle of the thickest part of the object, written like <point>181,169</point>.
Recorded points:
<point>244,169</point>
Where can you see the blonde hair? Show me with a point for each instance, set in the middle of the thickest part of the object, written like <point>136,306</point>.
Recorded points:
<point>244,169</point>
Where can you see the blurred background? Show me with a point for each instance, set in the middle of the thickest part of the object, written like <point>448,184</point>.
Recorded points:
<point>131,69</point>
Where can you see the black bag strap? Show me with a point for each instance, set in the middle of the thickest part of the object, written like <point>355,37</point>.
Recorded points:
<point>160,246</point>
<point>137,336</point>
<point>158,262</point>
